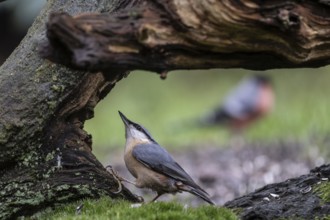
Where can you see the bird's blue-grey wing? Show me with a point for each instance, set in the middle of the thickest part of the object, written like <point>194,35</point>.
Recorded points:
<point>243,99</point>
<point>158,159</point>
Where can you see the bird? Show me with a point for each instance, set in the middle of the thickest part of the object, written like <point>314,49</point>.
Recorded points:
<point>252,99</point>
<point>153,166</point>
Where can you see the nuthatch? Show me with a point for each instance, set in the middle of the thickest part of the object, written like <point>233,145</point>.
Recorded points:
<point>249,101</point>
<point>153,167</point>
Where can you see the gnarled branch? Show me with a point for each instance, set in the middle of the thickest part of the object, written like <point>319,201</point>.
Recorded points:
<point>188,34</point>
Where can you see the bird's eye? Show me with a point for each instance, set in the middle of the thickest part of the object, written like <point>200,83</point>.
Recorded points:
<point>138,127</point>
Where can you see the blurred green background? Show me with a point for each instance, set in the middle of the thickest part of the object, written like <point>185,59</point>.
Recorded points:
<point>169,108</point>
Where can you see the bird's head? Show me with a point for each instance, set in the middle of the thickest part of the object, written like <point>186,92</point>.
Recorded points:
<point>262,79</point>
<point>135,131</point>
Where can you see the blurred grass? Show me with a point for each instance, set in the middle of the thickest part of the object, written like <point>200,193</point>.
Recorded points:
<point>168,108</point>
<point>105,208</point>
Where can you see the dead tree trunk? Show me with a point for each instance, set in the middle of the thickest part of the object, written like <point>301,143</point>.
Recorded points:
<point>46,156</point>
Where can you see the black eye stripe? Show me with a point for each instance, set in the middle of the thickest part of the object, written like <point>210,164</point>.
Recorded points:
<point>138,127</point>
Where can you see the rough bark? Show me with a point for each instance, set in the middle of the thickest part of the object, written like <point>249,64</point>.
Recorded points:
<point>45,155</point>
<point>299,198</point>
<point>188,34</point>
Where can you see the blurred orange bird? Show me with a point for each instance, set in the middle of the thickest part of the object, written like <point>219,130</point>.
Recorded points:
<point>249,101</point>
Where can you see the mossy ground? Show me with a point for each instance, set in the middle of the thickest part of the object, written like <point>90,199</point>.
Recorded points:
<point>105,208</point>
<point>323,191</point>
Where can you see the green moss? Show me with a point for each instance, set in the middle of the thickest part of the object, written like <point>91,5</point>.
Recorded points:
<point>50,156</point>
<point>63,187</point>
<point>83,189</point>
<point>323,191</point>
<point>20,196</point>
<point>54,78</point>
<point>3,136</point>
<point>45,72</point>
<point>237,211</point>
<point>105,208</point>
<point>323,218</point>
<point>58,88</point>
<point>5,132</point>
<point>30,159</point>
<point>34,198</point>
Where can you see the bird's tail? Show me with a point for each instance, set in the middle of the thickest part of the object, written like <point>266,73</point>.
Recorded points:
<point>197,192</point>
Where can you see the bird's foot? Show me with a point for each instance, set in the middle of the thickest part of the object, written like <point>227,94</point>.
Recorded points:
<point>156,197</point>
<point>116,175</point>
<point>140,198</point>
<point>117,178</point>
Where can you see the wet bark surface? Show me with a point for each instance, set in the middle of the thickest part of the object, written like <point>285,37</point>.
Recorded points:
<point>291,198</point>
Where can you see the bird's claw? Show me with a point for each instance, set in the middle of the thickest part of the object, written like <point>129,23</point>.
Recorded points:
<point>140,198</point>
<point>117,178</point>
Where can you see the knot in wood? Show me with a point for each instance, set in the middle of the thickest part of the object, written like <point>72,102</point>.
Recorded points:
<point>288,19</point>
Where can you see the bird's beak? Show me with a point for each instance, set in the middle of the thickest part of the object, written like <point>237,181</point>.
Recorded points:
<point>125,120</point>
<point>127,123</point>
